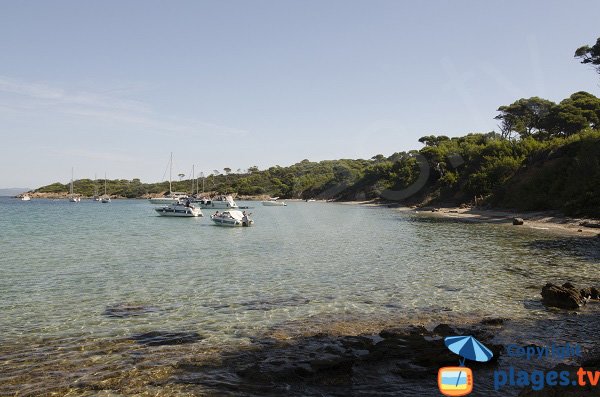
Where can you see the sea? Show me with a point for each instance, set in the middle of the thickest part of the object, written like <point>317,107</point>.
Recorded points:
<point>84,286</point>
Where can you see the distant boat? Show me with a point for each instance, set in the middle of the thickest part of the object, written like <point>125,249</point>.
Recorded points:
<point>218,202</point>
<point>96,197</point>
<point>272,202</point>
<point>231,218</point>
<point>179,209</point>
<point>105,198</point>
<point>172,197</point>
<point>26,197</point>
<point>72,197</point>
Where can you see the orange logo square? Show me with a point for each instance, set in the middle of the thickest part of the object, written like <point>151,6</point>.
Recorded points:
<point>455,381</point>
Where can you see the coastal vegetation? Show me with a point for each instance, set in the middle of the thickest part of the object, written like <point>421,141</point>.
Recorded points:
<point>544,156</point>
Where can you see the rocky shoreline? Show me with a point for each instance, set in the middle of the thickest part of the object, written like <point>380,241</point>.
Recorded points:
<point>540,220</point>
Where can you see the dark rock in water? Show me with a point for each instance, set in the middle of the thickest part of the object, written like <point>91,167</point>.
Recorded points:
<point>594,293</point>
<point>123,310</point>
<point>564,297</point>
<point>585,293</point>
<point>493,321</point>
<point>444,330</point>
<point>518,221</point>
<point>162,338</point>
<point>331,365</point>
<point>569,286</point>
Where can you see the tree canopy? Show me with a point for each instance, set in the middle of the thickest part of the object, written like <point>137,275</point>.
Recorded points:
<point>590,55</point>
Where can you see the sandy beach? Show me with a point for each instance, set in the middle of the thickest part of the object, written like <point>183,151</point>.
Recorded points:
<point>540,220</point>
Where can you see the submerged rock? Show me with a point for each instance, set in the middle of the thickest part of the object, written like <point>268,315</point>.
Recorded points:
<point>335,365</point>
<point>162,338</point>
<point>564,297</point>
<point>123,310</point>
<point>518,221</point>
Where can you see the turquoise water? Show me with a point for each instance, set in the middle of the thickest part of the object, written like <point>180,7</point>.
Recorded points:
<point>64,264</point>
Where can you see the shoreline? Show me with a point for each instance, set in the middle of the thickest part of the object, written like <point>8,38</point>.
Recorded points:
<point>538,220</point>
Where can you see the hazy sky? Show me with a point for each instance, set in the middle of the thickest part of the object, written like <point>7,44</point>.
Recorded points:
<point>115,86</point>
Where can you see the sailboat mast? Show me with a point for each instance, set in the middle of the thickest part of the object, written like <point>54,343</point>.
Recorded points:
<point>171,173</point>
<point>105,183</point>
<point>193,175</point>
<point>71,180</point>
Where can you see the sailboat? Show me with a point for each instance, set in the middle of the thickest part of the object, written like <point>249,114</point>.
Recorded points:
<point>96,197</point>
<point>72,197</point>
<point>172,197</point>
<point>105,197</point>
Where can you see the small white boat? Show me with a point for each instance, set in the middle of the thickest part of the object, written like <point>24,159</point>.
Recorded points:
<point>179,209</point>
<point>105,197</point>
<point>272,202</point>
<point>231,218</point>
<point>25,198</point>
<point>219,202</point>
<point>72,197</point>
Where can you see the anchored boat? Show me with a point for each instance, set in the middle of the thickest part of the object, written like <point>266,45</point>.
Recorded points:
<point>179,209</point>
<point>272,202</point>
<point>218,202</point>
<point>231,218</point>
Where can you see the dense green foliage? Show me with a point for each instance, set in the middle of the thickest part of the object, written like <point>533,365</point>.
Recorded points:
<point>546,156</point>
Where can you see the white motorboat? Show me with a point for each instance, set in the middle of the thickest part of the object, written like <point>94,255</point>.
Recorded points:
<point>231,218</point>
<point>26,197</point>
<point>272,202</point>
<point>219,202</point>
<point>179,209</point>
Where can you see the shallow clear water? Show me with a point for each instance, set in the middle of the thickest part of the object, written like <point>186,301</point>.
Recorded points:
<point>63,264</point>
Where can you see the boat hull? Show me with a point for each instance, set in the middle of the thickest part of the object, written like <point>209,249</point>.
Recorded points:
<point>179,211</point>
<point>164,200</point>
<point>274,204</point>
<point>215,205</point>
<point>231,222</point>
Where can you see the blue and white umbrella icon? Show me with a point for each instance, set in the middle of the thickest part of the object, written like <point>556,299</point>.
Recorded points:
<point>468,348</point>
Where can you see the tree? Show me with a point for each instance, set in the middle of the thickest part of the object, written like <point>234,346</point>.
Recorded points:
<point>432,140</point>
<point>590,55</point>
<point>525,116</point>
<point>574,114</point>
<point>227,170</point>
<point>180,176</point>
<point>253,169</point>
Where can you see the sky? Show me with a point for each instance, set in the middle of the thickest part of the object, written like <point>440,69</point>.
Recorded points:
<point>115,86</point>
